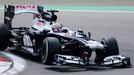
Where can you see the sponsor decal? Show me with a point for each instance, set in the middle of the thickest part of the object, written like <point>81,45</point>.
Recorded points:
<point>25,7</point>
<point>27,41</point>
<point>40,24</point>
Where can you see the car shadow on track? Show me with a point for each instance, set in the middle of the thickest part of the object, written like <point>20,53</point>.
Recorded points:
<point>27,56</point>
<point>63,68</point>
<point>77,68</point>
<point>80,68</point>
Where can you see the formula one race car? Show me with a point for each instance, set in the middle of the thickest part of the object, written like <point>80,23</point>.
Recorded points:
<point>55,43</point>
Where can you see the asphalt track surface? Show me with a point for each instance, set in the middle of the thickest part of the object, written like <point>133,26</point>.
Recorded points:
<point>100,24</point>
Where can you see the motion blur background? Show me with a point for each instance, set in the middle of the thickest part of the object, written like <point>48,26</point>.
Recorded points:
<point>71,2</point>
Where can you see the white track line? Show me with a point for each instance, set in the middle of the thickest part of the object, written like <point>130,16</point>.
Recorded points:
<point>19,64</point>
<point>4,66</point>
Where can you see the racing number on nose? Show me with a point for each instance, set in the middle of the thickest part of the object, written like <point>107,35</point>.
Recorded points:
<point>27,40</point>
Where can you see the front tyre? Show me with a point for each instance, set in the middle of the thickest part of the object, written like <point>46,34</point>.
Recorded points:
<point>51,46</point>
<point>112,46</point>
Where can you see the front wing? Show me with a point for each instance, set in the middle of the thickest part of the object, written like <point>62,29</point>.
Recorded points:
<point>112,61</point>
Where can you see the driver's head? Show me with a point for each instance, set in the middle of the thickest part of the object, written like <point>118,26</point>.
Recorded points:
<point>57,27</point>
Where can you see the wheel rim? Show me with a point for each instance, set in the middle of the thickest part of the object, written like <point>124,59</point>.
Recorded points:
<point>103,42</point>
<point>100,54</point>
<point>44,52</point>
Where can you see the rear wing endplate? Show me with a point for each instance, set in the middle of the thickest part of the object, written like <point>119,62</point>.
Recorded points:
<point>10,11</point>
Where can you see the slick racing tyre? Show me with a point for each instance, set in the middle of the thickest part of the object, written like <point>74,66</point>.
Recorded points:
<point>112,46</point>
<point>51,46</point>
<point>4,36</point>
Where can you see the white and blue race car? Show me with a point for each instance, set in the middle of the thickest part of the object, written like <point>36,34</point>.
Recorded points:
<point>55,43</point>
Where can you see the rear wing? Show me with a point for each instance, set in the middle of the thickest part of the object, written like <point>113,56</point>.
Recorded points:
<point>10,11</point>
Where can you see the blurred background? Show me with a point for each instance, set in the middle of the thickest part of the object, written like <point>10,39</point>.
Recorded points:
<point>72,2</point>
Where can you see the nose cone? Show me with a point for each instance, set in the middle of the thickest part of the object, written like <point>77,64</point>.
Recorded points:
<point>95,45</point>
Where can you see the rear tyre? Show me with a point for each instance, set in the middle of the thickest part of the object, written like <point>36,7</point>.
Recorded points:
<point>112,46</point>
<point>51,46</point>
<point>4,36</point>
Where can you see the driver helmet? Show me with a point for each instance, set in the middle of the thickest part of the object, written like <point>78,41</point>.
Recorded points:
<point>57,27</point>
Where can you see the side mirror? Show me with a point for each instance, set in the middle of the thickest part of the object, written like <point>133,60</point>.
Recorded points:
<point>53,17</point>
